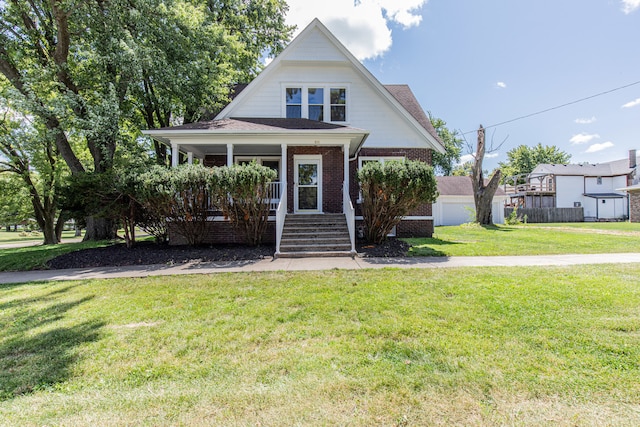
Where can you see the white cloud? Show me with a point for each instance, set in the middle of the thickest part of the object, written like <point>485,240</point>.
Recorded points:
<point>631,104</point>
<point>599,147</point>
<point>501,85</point>
<point>585,121</point>
<point>467,158</point>
<point>491,155</point>
<point>629,6</point>
<point>583,138</point>
<point>362,26</point>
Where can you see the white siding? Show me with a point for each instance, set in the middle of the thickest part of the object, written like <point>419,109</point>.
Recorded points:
<point>367,108</point>
<point>569,189</point>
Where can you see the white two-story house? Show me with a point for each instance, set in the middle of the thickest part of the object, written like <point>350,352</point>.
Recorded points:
<point>315,114</point>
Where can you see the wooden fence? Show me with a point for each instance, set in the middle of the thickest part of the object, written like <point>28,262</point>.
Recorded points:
<point>543,215</point>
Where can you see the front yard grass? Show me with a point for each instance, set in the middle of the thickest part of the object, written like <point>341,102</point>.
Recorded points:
<point>530,346</point>
<point>530,239</point>
<point>36,257</point>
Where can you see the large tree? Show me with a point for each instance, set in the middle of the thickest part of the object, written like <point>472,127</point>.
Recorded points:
<point>87,69</point>
<point>523,159</point>
<point>445,163</point>
<point>483,192</point>
<point>29,153</point>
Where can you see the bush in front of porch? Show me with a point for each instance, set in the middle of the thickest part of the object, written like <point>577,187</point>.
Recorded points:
<point>390,191</point>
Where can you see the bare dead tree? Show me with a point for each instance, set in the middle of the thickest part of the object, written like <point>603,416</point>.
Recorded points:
<point>483,192</point>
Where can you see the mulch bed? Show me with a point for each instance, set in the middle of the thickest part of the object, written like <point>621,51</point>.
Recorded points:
<point>143,253</point>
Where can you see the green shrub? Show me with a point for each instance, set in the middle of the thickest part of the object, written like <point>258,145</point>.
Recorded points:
<point>390,191</point>
<point>244,198</point>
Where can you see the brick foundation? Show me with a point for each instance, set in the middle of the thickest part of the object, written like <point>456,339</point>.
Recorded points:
<point>222,232</point>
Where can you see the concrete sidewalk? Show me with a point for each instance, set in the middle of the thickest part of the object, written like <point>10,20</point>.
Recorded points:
<point>307,264</point>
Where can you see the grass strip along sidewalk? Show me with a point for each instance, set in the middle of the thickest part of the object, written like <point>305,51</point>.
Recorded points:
<point>528,346</point>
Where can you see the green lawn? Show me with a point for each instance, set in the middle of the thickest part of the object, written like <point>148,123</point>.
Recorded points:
<point>36,257</point>
<point>530,239</point>
<point>530,346</point>
<point>20,236</point>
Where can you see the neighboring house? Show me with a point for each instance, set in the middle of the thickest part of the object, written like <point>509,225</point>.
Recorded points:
<point>315,114</point>
<point>455,204</point>
<point>594,188</point>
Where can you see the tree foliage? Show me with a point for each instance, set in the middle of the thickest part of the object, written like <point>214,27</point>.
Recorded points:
<point>89,69</point>
<point>523,159</point>
<point>15,203</point>
<point>29,153</point>
<point>390,191</point>
<point>445,164</point>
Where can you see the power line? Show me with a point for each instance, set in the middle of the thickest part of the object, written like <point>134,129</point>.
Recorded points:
<point>557,107</point>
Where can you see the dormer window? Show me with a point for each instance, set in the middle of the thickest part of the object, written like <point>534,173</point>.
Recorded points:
<point>324,103</point>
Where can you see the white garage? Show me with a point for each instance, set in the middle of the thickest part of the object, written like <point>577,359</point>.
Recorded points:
<point>455,203</point>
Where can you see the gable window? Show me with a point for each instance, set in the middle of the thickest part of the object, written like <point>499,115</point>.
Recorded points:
<point>294,102</point>
<point>338,105</point>
<point>323,103</point>
<point>316,103</point>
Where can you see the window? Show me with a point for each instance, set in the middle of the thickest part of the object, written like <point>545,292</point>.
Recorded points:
<point>366,159</point>
<point>599,180</point>
<point>316,102</point>
<point>294,102</point>
<point>338,105</point>
<point>270,162</point>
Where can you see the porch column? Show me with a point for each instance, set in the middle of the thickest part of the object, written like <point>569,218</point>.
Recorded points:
<point>190,157</point>
<point>229,155</point>
<point>345,149</point>
<point>175,154</point>
<point>283,168</point>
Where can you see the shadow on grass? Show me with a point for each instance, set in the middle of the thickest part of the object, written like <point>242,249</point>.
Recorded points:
<point>36,354</point>
<point>427,247</point>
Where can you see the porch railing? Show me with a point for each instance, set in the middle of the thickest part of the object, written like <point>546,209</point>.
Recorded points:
<point>350,215</point>
<point>275,193</point>
<point>281,213</point>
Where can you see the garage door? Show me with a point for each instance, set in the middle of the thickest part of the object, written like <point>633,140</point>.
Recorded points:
<point>456,213</point>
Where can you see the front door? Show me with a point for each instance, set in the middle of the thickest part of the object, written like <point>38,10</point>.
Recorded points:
<point>308,184</point>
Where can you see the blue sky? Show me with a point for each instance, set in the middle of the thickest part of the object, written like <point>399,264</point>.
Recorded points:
<point>474,62</point>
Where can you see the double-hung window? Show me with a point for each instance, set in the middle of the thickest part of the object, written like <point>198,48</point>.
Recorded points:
<point>324,103</point>
<point>294,102</point>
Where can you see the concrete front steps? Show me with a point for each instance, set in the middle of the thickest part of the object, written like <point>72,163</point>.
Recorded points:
<point>315,235</point>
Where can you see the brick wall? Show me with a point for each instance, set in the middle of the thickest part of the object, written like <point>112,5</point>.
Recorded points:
<point>222,232</point>
<point>634,206</point>
<point>211,160</point>
<point>332,175</point>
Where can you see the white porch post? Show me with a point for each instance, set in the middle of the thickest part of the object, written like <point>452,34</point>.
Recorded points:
<point>346,186</point>
<point>190,157</point>
<point>229,154</point>
<point>175,154</point>
<point>283,167</point>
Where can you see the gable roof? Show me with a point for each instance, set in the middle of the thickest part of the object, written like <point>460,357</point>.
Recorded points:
<point>613,168</point>
<point>399,96</point>
<point>459,186</point>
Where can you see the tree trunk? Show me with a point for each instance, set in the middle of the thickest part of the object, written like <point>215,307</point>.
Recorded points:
<point>483,194</point>
<point>99,229</point>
